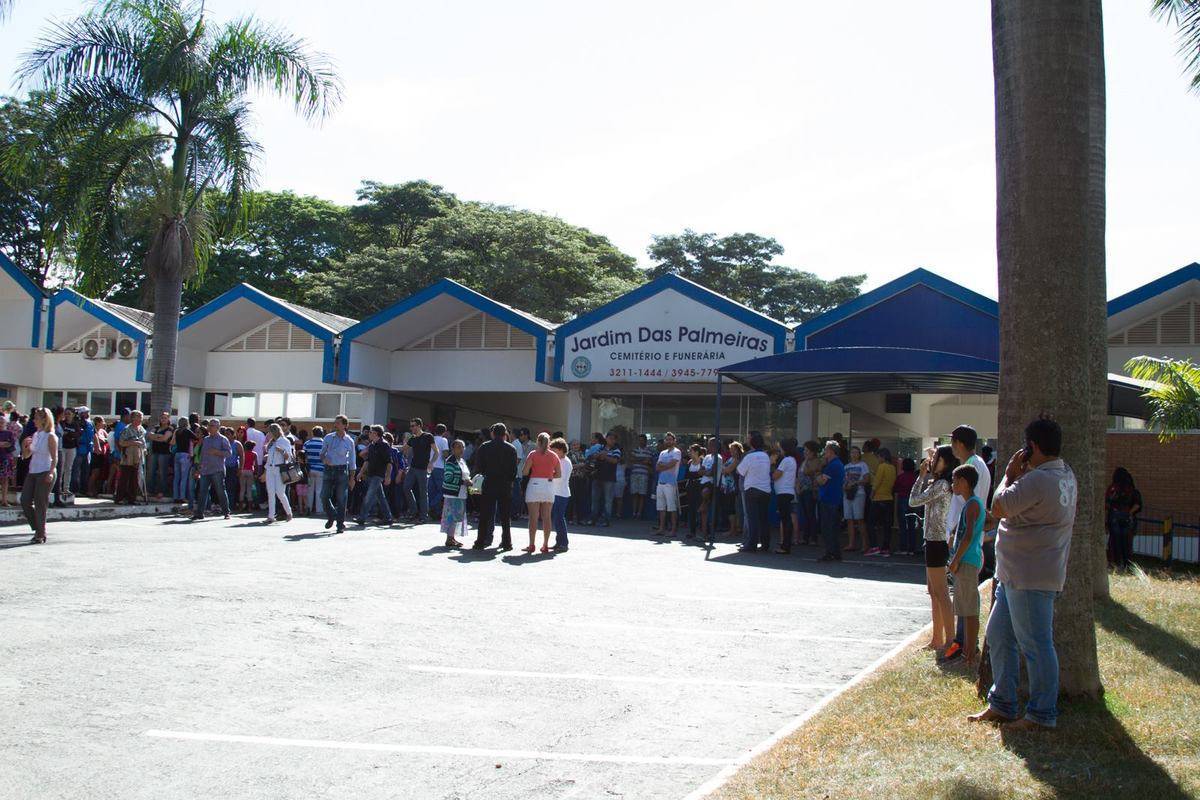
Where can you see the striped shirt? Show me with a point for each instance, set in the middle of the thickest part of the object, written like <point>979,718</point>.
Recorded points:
<point>312,452</point>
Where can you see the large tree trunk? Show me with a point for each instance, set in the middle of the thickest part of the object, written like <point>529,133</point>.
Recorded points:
<point>166,262</point>
<point>1050,248</point>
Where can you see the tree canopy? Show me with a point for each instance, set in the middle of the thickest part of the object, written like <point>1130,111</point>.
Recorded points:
<point>742,267</point>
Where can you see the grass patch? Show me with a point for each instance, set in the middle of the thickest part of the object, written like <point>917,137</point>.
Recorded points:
<point>903,733</point>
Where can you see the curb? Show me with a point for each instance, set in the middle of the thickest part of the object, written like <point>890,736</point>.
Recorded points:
<point>90,513</point>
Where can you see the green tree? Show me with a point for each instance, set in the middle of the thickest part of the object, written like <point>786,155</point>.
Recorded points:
<point>1175,400</point>
<point>1050,161</point>
<point>532,262</point>
<point>392,215</point>
<point>162,62</point>
<point>742,267</point>
<point>1185,14</point>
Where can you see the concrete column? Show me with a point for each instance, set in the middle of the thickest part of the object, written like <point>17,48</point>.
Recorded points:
<point>579,413</point>
<point>374,407</point>
<point>806,420</point>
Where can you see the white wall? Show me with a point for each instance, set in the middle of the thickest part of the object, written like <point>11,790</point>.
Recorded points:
<point>463,371</point>
<point>73,371</point>
<point>17,313</point>
<point>279,371</point>
<point>21,367</point>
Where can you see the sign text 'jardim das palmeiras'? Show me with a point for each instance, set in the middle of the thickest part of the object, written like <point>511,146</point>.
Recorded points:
<point>670,353</point>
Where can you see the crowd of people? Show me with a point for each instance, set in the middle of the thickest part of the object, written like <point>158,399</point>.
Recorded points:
<point>946,507</point>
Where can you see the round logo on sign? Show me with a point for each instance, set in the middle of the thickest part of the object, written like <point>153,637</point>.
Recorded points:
<point>581,367</point>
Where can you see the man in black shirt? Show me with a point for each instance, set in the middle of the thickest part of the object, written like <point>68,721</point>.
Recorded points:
<point>419,450</point>
<point>497,461</point>
<point>376,472</point>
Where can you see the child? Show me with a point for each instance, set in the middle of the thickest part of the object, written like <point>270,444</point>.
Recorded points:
<point>562,495</point>
<point>246,479</point>
<point>968,558</point>
<point>456,479</point>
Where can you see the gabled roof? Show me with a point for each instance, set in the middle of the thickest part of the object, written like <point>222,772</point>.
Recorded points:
<point>1166,290</point>
<point>132,322</point>
<point>36,295</point>
<point>319,323</point>
<point>918,277</point>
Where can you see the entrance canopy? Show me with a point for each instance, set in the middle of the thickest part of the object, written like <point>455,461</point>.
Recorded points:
<point>835,371</point>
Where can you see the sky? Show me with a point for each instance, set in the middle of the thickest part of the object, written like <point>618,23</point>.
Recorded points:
<point>860,136</point>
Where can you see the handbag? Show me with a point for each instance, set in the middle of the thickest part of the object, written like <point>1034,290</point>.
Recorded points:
<point>852,491</point>
<point>290,473</point>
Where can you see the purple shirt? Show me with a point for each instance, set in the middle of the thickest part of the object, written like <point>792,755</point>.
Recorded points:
<point>213,452</point>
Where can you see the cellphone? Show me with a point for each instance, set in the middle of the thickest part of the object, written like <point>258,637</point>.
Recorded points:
<point>1028,451</point>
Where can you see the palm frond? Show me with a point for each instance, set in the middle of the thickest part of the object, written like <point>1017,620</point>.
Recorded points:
<point>1175,399</point>
<point>1185,15</point>
<point>247,54</point>
<point>86,47</point>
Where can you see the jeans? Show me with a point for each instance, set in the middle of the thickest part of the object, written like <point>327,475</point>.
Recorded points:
<point>276,491</point>
<point>35,497</point>
<point>881,519</point>
<point>315,479</point>
<point>602,499</point>
<point>908,525</point>
<point>374,497</point>
<point>183,478</point>
<point>435,487</point>
<point>79,472</point>
<point>1022,621</point>
<point>559,515</point>
<point>62,479</point>
<point>758,528</point>
<point>830,516</point>
<point>159,481</point>
<point>217,483</point>
<point>783,502</point>
<point>417,480</point>
<point>808,517</point>
<point>1120,537</point>
<point>334,489</point>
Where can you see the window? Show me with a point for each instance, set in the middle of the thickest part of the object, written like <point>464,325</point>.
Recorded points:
<point>242,405</point>
<point>101,403</point>
<point>216,404</point>
<point>76,399</point>
<point>52,399</point>
<point>329,405</point>
<point>270,404</point>
<point>146,403</point>
<point>126,400</point>
<point>353,405</point>
<point>299,405</point>
<point>897,404</point>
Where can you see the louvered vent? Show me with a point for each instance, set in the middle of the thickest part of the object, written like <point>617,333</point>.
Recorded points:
<point>424,344</point>
<point>257,340</point>
<point>302,340</point>
<point>470,333</point>
<point>447,339</point>
<point>1145,333</point>
<point>107,332</point>
<point>240,344</point>
<point>278,337</point>
<point>1196,322</point>
<point>1118,339</point>
<point>519,340</point>
<point>495,334</point>
<point>1175,326</point>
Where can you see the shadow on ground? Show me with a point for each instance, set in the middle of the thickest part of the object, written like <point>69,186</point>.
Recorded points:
<point>1098,759</point>
<point>1161,645</point>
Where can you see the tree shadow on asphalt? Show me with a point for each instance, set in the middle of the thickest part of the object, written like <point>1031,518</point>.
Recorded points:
<point>803,560</point>
<point>300,537</point>
<point>1165,647</point>
<point>1092,756</point>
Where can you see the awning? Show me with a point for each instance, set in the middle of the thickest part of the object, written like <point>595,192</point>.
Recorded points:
<point>834,371</point>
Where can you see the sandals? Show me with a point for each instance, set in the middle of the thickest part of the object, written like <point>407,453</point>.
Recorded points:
<point>545,549</point>
<point>527,549</point>
<point>38,540</point>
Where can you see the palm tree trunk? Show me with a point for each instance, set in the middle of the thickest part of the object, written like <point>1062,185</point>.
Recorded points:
<point>1050,251</point>
<point>164,265</point>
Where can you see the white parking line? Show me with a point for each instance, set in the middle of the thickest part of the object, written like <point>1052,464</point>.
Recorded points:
<point>536,755</point>
<point>590,676</point>
<point>772,602</point>
<point>620,626</point>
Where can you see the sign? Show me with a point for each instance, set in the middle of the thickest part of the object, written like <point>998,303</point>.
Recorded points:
<point>667,338</point>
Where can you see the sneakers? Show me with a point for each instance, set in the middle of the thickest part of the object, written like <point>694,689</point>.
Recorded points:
<point>874,551</point>
<point>952,653</point>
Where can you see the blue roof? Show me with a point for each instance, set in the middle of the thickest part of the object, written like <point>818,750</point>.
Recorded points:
<point>1154,288</point>
<point>834,371</point>
<point>918,277</point>
<point>30,288</point>
<point>723,305</point>
<point>538,328</point>
<point>97,309</point>
<point>322,326</point>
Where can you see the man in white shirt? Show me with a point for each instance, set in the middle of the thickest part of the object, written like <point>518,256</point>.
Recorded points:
<point>257,439</point>
<point>441,449</point>
<point>666,494</point>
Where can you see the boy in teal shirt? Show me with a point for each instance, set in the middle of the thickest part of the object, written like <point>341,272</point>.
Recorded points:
<point>968,559</point>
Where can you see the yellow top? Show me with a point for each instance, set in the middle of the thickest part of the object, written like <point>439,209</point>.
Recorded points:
<point>872,461</point>
<point>882,481</point>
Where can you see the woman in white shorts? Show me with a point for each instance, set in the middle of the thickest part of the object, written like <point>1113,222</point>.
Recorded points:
<point>854,504</point>
<point>543,467</point>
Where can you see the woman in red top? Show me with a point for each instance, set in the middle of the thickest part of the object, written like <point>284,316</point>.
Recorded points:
<point>542,466</point>
<point>246,475</point>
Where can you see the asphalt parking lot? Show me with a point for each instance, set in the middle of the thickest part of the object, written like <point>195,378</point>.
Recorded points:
<point>153,658</point>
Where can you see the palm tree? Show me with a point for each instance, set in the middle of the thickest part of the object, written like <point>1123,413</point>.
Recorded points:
<point>1186,16</point>
<point>1175,399</point>
<point>1049,85</point>
<point>161,62</point>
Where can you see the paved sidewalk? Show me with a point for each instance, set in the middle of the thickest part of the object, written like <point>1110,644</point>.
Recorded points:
<point>163,658</point>
<point>87,508</point>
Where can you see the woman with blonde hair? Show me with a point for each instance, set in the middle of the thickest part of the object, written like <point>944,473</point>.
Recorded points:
<point>278,450</point>
<point>543,468</point>
<point>42,451</point>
